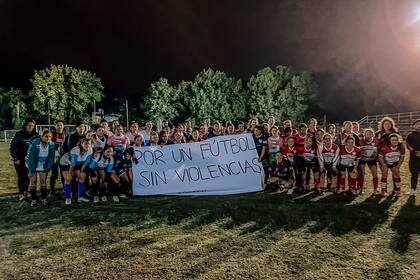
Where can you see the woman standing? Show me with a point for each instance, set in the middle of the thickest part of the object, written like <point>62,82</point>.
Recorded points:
<point>18,149</point>
<point>386,127</point>
<point>369,150</point>
<point>39,161</point>
<point>349,161</point>
<point>391,156</point>
<point>413,145</point>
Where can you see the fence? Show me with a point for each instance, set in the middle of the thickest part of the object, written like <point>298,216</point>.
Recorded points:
<point>403,121</point>
<point>7,135</point>
<point>403,118</point>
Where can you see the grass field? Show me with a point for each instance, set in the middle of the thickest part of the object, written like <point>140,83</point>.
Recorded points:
<point>251,236</point>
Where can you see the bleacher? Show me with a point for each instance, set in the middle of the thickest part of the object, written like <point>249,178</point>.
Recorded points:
<point>402,120</point>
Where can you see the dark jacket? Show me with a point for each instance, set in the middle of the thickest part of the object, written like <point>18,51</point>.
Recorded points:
<point>71,141</point>
<point>33,153</point>
<point>20,144</point>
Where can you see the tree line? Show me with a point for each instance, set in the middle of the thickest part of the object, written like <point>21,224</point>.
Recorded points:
<point>67,93</point>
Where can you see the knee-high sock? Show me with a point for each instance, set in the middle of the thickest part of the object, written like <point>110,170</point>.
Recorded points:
<point>32,190</point>
<point>397,183</point>
<point>414,179</point>
<point>361,181</point>
<point>44,192</point>
<point>342,183</point>
<point>383,184</point>
<point>375,182</point>
<point>67,190</point>
<point>81,187</point>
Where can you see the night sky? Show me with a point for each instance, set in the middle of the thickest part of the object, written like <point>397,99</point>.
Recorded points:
<point>365,55</point>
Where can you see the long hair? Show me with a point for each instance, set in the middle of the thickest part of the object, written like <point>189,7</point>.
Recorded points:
<point>381,129</point>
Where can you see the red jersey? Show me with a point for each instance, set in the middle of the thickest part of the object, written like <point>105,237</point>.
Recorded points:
<point>58,138</point>
<point>344,135</point>
<point>392,155</point>
<point>275,143</point>
<point>369,150</point>
<point>299,139</point>
<point>307,155</point>
<point>349,158</point>
<point>290,153</point>
<point>329,156</point>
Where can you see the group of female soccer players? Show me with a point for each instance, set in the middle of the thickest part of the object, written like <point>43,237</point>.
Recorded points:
<point>95,164</point>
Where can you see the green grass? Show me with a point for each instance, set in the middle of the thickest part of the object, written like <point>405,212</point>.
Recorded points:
<point>251,236</point>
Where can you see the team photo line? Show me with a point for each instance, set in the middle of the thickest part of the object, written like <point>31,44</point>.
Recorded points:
<point>96,164</point>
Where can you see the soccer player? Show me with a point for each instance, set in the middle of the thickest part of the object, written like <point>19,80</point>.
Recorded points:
<point>391,156</point>
<point>308,161</point>
<point>261,146</point>
<point>99,139</point>
<point>280,173</point>
<point>133,131</point>
<point>195,136</point>
<point>119,141</point>
<point>251,124</point>
<point>216,131</point>
<point>348,131</point>
<point>349,161</point>
<point>147,132</point>
<point>312,126</point>
<point>74,163</point>
<point>101,165</point>
<point>413,145</point>
<point>58,136</point>
<point>154,139</point>
<point>290,152</point>
<point>18,149</point>
<point>369,156</point>
<point>328,158</point>
<point>39,161</point>
<point>386,127</point>
<point>271,121</point>
<point>301,135</point>
<point>72,140</point>
<point>275,142</point>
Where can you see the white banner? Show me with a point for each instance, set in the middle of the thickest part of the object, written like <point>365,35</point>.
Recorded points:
<point>217,166</point>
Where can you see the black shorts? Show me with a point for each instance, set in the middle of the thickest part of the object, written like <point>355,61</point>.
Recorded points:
<point>285,178</point>
<point>343,168</point>
<point>369,162</point>
<point>391,165</point>
<point>329,170</point>
<point>120,171</point>
<point>314,166</point>
<point>67,167</point>
<point>414,164</point>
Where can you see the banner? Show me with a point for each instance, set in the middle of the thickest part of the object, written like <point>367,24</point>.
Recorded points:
<point>217,166</point>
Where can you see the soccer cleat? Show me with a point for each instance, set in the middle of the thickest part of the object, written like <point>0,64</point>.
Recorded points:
<point>383,193</point>
<point>376,192</point>
<point>115,198</point>
<point>33,203</point>
<point>290,191</point>
<point>44,202</point>
<point>68,201</point>
<point>104,198</point>
<point>82,199</point>
<point>95,199</point>
<point>123,196</point>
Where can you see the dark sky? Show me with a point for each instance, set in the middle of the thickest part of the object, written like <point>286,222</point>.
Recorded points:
<point>365,55</point>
